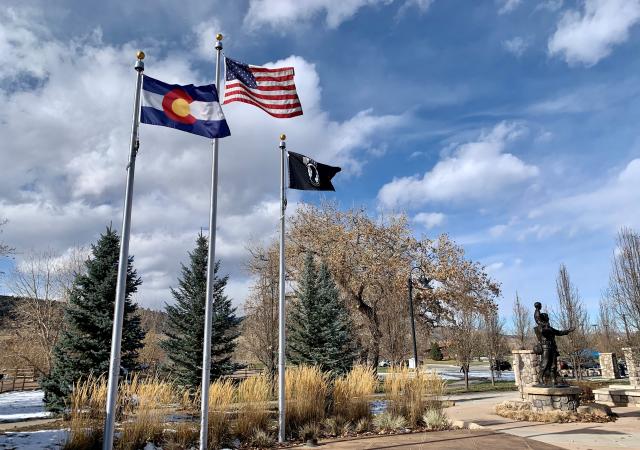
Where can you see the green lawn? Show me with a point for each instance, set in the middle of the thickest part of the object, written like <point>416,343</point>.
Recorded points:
<point>483,386</point>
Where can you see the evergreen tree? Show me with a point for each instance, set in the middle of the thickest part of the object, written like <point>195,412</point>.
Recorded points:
<point>435,353</point>
<point>185,322</point>
<point>85,344</point>
<point>319,325</point>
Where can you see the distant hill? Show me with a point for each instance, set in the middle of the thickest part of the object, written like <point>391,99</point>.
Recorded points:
<point>7,308</point>
<point>150,319</point>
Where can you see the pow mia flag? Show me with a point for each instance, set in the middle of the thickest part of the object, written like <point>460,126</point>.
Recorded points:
<point>309,175</point>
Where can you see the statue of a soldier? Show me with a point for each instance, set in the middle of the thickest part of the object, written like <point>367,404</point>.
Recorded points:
<point>547,347</point>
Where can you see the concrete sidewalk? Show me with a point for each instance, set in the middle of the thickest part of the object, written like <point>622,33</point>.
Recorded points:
<point>478,408</point>
<point>441,440</point>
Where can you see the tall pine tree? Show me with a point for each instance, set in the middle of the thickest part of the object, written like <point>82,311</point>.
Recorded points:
<point>319,325</point>
<point>85,344</point>
<point>185,322</point>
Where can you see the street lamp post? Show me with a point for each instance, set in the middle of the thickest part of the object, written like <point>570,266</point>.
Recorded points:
<point>425,282</point>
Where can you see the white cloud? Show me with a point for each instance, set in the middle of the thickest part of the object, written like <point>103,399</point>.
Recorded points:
<point>589,35</point>
<point>67,173</point>
<point>549,5</point>
<point>494,267</point>
<point>498,230</point>
<point>284,14</point>
<point>429,219</point>
<point>516,45</point>
<point>474,171</point>
<point>421,5</point>
<point>614,204</point>
<point>507,6</point>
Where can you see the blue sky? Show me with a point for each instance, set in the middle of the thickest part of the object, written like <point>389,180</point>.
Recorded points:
<point>510,124</point>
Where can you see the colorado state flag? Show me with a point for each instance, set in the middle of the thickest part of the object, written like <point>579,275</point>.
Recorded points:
<point>194,109</point>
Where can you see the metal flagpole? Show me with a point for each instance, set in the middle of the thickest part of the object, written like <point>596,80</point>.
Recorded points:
<point>208,315</point>
<point>281,301</point>
<point>123,261</point>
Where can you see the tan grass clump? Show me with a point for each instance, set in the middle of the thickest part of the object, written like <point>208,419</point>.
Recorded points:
<point>145,404</point>
<point>410,393</point>
<point>221,395</point>
<point>351,393</point>
<point>253,395</point>
<point>86,414</point>
<point>306,393</point>
<point>182,435</point>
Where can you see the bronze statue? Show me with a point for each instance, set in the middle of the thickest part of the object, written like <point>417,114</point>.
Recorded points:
<point>547,347</point>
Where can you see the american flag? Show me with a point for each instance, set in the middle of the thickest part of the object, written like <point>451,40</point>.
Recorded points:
<point>272,90</point>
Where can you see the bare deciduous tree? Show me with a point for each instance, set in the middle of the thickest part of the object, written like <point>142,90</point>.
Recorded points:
<point>624,281</point>
<point>370,260</point>
<point>572,314</point>
<point>495,344</point>
<point>522,324</point>
<point>38,322</point>
<point>396,329</point>
<point>5,249</point>
<point>260,324</point>
<point>464,338</point>
<point>606,331</point>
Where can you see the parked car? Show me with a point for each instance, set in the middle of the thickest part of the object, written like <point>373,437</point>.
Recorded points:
<point>501,365</point>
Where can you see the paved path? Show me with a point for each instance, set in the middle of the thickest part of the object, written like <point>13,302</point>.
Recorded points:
<point>441,440</point>
<point>623,433</point>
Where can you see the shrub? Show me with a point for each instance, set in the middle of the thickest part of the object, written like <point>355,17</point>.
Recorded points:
<point>435,353</point>
<point>351,393</point>
<point>253,395</point>
<point>436,419</point>
<point>309,431</point>
<point>363,425</point>
<point>262,439</point>
<point>387,421</point>
<point>306,393</point>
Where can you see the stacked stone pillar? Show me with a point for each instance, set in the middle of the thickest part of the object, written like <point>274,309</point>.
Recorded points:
<point>525,367</point>
<point>609,366</point>
<point>621,394</point>
<point>632,357</point>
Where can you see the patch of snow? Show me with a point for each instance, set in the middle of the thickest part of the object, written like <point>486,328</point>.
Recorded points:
<point>33,440</point>
<point>19,406</point>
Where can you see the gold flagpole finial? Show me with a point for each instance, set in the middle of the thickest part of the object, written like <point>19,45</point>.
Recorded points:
<point>219,37</point>
<point>283,137</point>
<point>140,55</point>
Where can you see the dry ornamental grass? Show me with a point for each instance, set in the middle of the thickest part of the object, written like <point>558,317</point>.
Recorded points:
<point>253,395</point>
<point>352,392</point>
<point>306,394</point>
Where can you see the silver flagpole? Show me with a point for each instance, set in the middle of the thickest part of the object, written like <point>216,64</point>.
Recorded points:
<point>211,264</point>
<point>123,261</point>
<point>281,302</point>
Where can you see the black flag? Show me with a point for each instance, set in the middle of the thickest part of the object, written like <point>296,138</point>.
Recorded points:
<point>309,175</point>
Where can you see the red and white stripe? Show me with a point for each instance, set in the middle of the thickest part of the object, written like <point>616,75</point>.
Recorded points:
<point>276,92</point>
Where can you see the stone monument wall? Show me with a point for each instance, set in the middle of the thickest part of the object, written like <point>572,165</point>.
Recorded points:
<point>609,365</point>
<point>632,357</point>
